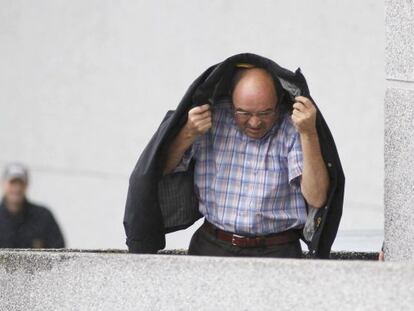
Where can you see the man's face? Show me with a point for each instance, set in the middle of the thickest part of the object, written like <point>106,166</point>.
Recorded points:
<point>14,191</point>
<point>254,101</point>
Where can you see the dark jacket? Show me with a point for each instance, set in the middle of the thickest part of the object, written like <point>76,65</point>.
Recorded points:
<point>158,204</point>
<point>33,227</point>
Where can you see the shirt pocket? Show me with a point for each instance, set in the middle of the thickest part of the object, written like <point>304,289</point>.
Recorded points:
<point>274,177</point>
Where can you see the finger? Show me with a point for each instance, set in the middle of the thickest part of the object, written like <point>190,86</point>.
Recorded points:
<point>304,100</point>
<point>299,106</point>
<point>200,116</point>
<point>205,127</point>
<point>202,108</point>
<point>298,113</point>
<point>204,120</point>
<point>201,123</point>
<point>195,111</point>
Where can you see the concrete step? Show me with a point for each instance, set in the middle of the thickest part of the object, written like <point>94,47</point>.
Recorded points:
<point>70,280</point>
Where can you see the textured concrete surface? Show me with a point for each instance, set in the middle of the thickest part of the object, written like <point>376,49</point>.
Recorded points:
<point>343,255</point>
<point>91,281</point>
<point>399,129</point>
<point>399,177</point>
<point>399,48</point>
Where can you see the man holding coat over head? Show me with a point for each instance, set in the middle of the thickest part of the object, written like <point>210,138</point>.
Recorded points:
<point>248,150</point>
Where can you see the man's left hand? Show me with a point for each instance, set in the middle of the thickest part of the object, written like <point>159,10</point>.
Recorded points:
<point>304,115</point>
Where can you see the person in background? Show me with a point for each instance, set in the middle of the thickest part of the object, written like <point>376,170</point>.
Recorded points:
<point>22,223</point>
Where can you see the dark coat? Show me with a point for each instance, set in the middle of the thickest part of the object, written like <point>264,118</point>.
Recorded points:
<point>34,227</point>
<point>158,204</point>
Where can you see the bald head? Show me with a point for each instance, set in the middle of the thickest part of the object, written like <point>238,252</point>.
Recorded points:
<point>254,85</point>
<point>253,92</point>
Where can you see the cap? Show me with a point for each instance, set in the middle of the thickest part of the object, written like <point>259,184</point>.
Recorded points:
<point>16,171</point>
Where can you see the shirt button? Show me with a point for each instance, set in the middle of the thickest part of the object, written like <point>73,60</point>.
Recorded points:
<point>329,164</point>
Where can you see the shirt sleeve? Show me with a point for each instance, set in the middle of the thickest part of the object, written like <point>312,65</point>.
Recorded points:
<point>189,154</point>
<point>295,160</point>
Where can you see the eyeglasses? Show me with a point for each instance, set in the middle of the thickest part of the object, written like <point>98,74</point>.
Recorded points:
<point>246,115</point>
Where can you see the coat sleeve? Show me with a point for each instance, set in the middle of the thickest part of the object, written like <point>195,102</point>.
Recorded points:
<point>143,219</point>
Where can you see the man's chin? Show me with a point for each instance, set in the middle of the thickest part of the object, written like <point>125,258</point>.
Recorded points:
<point>15,200</point>
<point>255,133</point>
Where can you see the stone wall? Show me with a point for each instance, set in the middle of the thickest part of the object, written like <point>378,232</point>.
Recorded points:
<point>399,130</point>
<point>31,280</point>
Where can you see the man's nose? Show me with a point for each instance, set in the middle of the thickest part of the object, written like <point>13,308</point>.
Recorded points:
<point>254,121</point>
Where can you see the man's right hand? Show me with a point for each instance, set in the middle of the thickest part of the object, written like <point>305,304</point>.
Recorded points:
<point>199,121</point>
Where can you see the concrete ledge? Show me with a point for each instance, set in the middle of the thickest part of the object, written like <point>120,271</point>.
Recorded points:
<point>43,280</point>
<point>338,255</point>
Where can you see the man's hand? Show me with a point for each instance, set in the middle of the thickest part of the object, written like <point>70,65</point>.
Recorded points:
<point>304,115</point>
<point>199,121</point>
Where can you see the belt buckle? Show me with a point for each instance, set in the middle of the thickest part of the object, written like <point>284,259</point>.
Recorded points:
<point>233,239</point>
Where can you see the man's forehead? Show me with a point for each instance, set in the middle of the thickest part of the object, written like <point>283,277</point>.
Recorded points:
<point>252,72</point>
<point>254,78</point>
<point>255,82</point>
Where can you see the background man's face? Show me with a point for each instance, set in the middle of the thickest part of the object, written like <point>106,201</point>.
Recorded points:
<point>14,191</point>
<point>255,93</point>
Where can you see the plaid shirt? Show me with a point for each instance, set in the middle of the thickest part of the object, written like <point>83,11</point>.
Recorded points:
<point>244,185</point>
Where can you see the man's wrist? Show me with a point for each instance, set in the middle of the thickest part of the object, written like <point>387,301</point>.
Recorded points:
<point>310,134</point>
<point>187,134</point>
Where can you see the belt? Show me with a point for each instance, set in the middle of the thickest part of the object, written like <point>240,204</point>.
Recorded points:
<point>256,241</point>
